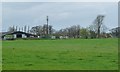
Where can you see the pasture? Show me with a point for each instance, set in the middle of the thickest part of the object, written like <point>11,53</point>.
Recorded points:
<point>66,54</point>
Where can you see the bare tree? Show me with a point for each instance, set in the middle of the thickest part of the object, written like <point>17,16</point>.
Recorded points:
<point>98,23</point>
<point>25,28</point>
<point>16,28</point>
<point>42,30</point>
<point>11,29</point>
<point>36,30</point>
<point>28,29</point>
<point>50,30</point>
<point>71,32</point>
<point>19,28</point>
<point>45,30</point>
<point>74,31</point>
<point>22,29</point>
<point>78,31</point>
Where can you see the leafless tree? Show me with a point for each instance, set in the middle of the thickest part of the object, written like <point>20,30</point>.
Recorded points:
<point>98,24</point>
<point>28,29</point>
<point>71,32</point>
<point>36,30</point>
<point>25,27</point>
<point>11,29</point>
<point>42,30</point>
<point>16,28</point>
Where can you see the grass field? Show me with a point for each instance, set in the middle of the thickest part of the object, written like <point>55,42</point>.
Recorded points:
<point>71,54</point>
<point>0,55</point>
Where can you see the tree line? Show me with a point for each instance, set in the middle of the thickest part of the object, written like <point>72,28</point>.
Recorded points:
<point>96,30</point>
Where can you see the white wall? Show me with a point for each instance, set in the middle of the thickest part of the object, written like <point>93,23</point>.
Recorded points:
<point>24,36</point>
<point>14,35</point>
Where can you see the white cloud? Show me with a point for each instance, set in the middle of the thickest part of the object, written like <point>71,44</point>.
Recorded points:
<point>0,17</point>
<point>60,14</point>
<point>59,0</point>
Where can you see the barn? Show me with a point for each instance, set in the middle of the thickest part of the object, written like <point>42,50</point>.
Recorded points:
<point>17,34</point>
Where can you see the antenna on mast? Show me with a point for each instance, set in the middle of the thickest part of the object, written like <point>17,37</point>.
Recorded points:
<point>47,26</point>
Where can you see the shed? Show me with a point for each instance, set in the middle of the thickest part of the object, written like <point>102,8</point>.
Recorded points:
<point>17,34</point>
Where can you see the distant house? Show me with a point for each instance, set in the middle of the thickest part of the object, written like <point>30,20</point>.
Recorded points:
<point>115,32</point>
<point>53,37</point>
<point>63,37</point>
<point>17,34</point>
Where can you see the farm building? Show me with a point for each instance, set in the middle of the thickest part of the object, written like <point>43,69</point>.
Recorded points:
<point>16,34</point>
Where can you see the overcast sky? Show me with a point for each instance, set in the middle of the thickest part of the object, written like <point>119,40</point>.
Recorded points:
<point>61,14</point>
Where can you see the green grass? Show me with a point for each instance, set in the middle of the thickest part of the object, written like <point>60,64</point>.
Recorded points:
<point>0,55</point>
<point>70,54</point>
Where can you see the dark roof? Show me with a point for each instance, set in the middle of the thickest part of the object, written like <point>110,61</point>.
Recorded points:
<point>117,28</point>
<point>16,32</point>
<point>3,33</point>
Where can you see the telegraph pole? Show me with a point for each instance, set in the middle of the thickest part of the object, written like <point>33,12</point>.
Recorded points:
<point>47,26</point>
